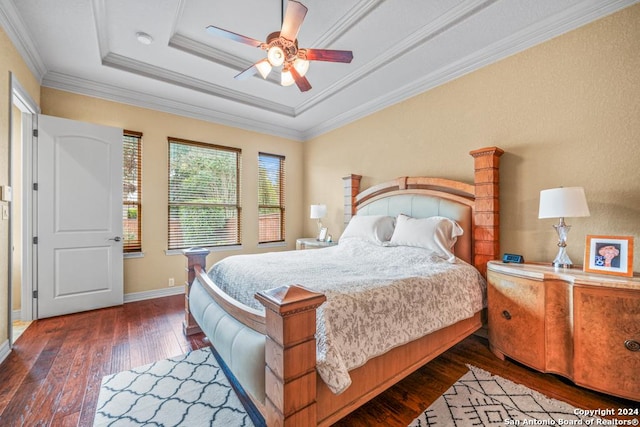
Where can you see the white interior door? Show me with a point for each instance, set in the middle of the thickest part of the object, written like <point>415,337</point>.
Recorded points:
<point>79,216</point>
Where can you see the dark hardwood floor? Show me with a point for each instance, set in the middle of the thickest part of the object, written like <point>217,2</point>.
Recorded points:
<point>52,376</point>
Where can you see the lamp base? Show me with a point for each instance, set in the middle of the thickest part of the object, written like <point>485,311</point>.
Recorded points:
<point>562,260</point>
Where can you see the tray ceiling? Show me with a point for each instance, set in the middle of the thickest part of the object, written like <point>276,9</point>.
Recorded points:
<point>401,48</point>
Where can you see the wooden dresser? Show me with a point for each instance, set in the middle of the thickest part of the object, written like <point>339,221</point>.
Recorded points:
<point>583,326</point>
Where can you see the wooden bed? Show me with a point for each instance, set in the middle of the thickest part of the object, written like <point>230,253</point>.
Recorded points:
<point>294,395</point>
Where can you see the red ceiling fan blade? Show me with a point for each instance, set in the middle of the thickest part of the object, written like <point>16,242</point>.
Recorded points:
<point>301,81</point>
<point>328,55</point>
<point>292,21</point>
<point>233,36</point>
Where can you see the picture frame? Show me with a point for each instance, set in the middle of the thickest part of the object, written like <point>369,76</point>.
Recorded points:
<point>609,255</point>
<point>322,235</point>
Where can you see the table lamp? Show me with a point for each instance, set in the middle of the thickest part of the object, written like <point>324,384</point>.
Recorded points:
<point>563,202</point>
<point>318,212</point>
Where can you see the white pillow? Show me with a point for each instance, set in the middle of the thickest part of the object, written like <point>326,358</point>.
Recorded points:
<point>437,234</point>
<point>375,228</point>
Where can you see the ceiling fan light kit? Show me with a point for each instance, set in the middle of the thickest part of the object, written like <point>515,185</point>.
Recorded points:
<point>282,50</point>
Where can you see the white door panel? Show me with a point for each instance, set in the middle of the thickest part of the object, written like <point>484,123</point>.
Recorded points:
<point>79,177</point>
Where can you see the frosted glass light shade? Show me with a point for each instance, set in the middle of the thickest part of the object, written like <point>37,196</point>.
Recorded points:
<point>275,55</point>
<point>286,78</point>
<point>264,68</point>
<point>564,202</point>
<point>301,66</point>
<point>318,211</point>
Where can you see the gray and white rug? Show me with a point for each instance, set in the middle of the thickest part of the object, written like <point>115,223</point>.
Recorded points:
<point>482,399</point>
<point>188,390</point>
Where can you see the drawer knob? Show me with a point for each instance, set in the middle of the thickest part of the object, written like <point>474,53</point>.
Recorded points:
<point>632,345</point>
<point>507,315</point>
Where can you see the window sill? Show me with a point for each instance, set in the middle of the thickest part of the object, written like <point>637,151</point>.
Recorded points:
<point>171,252</point>
<point>128,255</point>
<point>272,245</point>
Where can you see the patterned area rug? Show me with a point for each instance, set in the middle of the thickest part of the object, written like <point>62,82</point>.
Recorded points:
<point>188,390</point>
<point>482,399</point>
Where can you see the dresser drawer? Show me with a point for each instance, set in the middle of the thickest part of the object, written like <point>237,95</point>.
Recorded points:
<point>516,318</point>
<point>607,337</point>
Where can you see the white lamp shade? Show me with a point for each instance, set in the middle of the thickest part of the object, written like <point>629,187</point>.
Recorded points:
<point>564,202</point>
<point>318,211</point>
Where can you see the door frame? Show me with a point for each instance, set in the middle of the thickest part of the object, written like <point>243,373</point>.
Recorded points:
<point>29,109</point>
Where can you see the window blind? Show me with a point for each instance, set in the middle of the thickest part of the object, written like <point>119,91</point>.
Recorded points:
<point>204,195</point>
<point>271,213</point>
<point>132,191</point>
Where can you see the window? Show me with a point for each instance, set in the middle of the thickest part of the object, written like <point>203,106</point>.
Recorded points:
<point>132,191</point>
<point>270,198</point>
<point>204,194</point>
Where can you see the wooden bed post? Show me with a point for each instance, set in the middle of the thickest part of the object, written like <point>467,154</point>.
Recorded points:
<point>290,353</point>
<point>351,186</point>
<point>195,256</point>
<point>486,216</point>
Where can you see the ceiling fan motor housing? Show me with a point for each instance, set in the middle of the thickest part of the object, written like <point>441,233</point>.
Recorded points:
<point>288,47</point>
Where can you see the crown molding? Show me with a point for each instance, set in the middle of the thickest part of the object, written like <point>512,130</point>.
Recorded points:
<point>16,30</point>
<point>134,66</point>
<point>556,25</point>
<point>346,22</point>
<point>100,19</point>
<point>139,99</point>
<point>447,20</point>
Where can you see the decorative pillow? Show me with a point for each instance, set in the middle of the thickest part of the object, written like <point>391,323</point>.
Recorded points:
<point>375,228</point>
<point>437,234</point>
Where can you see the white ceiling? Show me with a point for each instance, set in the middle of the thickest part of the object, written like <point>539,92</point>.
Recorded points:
<point>400,47</point>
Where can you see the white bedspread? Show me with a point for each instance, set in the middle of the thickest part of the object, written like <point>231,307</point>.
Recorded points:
<point>377,297</point>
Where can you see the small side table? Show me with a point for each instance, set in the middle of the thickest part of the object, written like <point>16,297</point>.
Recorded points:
<point>312,243</point>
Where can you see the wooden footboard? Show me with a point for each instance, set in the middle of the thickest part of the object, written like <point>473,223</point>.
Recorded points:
<point>387,369</point>
<point>295,395</point>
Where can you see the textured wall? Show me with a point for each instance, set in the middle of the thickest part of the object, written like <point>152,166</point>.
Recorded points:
<point>566,112</point>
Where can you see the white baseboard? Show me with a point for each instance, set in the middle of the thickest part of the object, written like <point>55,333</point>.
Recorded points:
<point>157,293</point>
<point>16,315</point>
<point>5,349</point>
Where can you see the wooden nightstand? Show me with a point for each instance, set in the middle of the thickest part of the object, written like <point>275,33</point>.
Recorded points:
<point>312,243</point>
<point>583,326</point>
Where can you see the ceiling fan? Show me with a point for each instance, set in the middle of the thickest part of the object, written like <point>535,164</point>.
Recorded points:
<point>282,49</point>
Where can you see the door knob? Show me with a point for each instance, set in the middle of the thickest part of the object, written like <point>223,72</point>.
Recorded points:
<point>117,238</point>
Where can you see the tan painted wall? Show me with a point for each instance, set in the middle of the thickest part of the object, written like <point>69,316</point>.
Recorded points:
<point>153,271</point>
<point>10,62</point>
<point>567,113</point>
